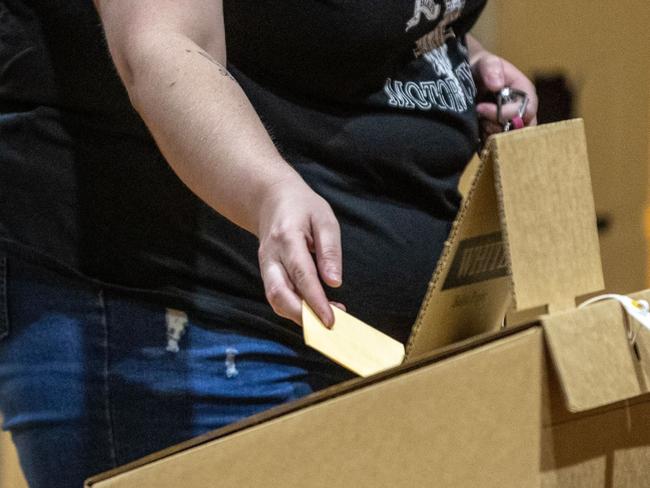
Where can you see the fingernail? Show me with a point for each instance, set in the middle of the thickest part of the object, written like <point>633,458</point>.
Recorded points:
<point>334,276</point>
<point>328,319</point>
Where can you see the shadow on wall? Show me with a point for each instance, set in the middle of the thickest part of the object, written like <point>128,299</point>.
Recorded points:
<point>556,97</point>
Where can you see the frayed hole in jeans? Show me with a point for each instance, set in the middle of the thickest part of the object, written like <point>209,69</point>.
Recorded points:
<point>231,367</point>
<point>176,324</point>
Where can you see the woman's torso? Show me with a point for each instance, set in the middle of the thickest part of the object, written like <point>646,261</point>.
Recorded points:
<point>372,102</point>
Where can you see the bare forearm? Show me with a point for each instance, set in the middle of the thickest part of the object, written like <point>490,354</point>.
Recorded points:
<point>204,125</point>
<point>171,57</point>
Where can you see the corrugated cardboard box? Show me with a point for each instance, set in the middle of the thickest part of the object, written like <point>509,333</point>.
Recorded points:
<point>487,413</point>
<point>560,401</point>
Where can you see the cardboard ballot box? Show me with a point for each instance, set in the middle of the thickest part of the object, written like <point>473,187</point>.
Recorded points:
<point>487,413</point>
<point>558,400</point>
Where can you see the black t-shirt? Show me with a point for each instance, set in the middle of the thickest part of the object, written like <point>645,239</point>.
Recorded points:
<point>372,102</point>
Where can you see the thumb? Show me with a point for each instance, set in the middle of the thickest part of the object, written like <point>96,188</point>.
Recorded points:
<point>491,73</point>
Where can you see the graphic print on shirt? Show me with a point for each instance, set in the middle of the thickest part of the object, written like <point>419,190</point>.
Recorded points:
<point>442,32</point>
<point>430,9</point>
<point>452,88</point>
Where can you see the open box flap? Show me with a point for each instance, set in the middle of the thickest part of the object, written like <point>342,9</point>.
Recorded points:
<point>526,230</point>
<point>595,360</point>
<point>470,289</point>
<point>548,216</point>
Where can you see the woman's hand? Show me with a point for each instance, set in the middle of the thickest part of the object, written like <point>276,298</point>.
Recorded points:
<point>491,74</point>
<point>293,223</point>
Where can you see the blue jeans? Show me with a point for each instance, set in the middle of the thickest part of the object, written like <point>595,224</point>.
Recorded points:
<point>91,378</point>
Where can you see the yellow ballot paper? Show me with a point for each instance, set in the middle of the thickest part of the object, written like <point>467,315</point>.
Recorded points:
<point>351,343</point>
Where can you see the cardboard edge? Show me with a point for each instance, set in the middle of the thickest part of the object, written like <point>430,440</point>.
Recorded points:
<point>321,396</point>
<point>489,155</point>
<point>493,154</point>
<point>444,260</point>
<point>542,128</point>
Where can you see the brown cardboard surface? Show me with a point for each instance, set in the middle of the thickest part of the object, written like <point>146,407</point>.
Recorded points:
<point>403,431</point>
<point>526,231</point>
<point>488,414</point>
<point>316,398</point>
<point>608,449</point>
<point>547,214</point>
<point>593,356</point>
<point>467,294</point>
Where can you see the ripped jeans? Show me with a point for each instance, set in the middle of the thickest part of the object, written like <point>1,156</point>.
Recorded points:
<point>91,378</point>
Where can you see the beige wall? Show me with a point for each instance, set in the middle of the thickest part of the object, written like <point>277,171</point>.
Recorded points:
<point>604,49</point>
<point>486,28</point>
<point>647,219</point>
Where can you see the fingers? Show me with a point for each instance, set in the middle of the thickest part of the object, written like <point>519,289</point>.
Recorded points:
<point>300,244</point>
<point>488,111</point>
<point>280,291</point>
<point>493,74</point>
<point>289,273</point>
<point>301,269</point>
<point>327,243</point>
<point>516,79</point>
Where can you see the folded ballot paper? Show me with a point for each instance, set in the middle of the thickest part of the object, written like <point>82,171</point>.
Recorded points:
<point>351,343</point>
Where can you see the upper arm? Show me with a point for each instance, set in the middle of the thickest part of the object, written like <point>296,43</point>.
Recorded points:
<point>132,27</point>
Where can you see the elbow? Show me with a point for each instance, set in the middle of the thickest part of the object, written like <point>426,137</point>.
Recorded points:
<point>126,63</point>
<point>136,60</point>
<point>146,58</point>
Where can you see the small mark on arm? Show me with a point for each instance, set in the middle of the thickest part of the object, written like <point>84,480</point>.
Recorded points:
<point>220,67</point>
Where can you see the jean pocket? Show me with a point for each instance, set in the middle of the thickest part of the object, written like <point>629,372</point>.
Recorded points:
<point>4,315</point>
